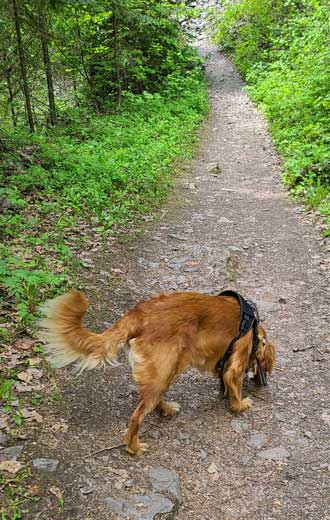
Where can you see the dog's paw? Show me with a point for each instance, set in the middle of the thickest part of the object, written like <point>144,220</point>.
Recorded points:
<point>168,409</point>
<point>245,404</point>
<point>139,449</point>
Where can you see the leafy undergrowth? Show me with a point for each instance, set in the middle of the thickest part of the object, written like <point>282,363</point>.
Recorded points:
<point>282,49</point>
<point>97,172</point>
<point>63,191</point>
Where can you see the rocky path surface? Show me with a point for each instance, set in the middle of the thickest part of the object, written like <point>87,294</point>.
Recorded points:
<point>229,224</point>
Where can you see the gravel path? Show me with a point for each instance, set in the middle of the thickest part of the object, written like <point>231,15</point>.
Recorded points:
<point>228,224</point>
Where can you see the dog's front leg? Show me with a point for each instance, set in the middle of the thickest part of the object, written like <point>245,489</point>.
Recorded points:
<point>234,374</point>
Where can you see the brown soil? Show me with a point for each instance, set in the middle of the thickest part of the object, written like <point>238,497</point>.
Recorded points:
<point>229,224</point>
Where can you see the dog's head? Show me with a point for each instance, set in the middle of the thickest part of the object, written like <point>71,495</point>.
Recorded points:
<point>265,355</point>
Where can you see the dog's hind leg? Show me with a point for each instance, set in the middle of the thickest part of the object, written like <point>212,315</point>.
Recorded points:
<point>234,374</point>
<point>148,400</point>
<point>154,369</point>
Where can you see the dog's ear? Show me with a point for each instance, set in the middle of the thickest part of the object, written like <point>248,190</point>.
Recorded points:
<point>269,357</point>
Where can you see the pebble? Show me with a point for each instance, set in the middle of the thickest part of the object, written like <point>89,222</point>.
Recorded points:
<point>224,220</point>
<point>213,468</point>
<point>233,249</point>
<point>203,454</point>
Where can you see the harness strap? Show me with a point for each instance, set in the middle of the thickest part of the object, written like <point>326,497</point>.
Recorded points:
<point>249,319</point>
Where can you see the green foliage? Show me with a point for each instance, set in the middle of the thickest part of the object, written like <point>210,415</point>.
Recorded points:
<point>27,284</point>
<point>110,166</point>
<point>107,169</point>
<point>97,51</point>
<point>14,497</point>
<point>282,48</point>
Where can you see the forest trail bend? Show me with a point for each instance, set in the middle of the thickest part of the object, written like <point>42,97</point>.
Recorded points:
<point>229,224</point>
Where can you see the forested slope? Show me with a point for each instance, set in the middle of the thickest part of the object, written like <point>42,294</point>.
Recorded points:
<point>283,50</point>
<point>98,102</point>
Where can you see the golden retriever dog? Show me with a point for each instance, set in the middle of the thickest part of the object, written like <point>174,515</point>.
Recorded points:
<point>163,336</point>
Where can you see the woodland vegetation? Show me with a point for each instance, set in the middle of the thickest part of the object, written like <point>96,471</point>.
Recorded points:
<point>98,98</point>
<point>282,48</point>
<point>99,103</point>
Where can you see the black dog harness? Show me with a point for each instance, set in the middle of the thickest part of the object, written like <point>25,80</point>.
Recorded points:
<point>249,319</point>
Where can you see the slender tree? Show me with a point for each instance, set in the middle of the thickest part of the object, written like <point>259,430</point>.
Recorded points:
<point>7,73</point>
<point>48,69</point>
<point>22,61</point>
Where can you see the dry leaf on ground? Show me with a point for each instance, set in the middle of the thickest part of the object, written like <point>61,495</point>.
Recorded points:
<point>56,492</point>
<point>60,427</point>
<point>34,361</point>
<point>25,343</point>
<point>35,490</point>
<point>21,388</point>
<point>31,415</point>
<point>25,376</point>
<point>11,466</point>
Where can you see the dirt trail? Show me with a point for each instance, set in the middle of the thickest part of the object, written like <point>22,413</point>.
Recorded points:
<point>229,224</point>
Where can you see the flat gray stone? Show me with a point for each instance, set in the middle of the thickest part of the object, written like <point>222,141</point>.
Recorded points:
<point>45,464</point>
<point>257,440</point>
<point>274,454</point>
<point>166,481</point>
<point>11,453</point>
<point>143,507</point>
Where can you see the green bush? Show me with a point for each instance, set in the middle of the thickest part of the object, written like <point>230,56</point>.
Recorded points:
<point>283,50</point>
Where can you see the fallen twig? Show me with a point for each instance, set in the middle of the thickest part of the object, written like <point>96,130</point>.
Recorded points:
<point>105,449</point>
<point>302,349</point>
<point>257,396</point>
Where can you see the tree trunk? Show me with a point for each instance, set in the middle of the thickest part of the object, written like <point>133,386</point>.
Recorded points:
<point>11,99</point>
<point>22,61</point>
<point>115,28</point>
<point>48,70</point>
<point>10,91</point>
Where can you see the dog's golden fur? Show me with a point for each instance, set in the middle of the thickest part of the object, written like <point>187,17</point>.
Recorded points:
<point>163,336</point>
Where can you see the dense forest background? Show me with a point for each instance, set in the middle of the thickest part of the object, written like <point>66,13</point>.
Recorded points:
<point>282,48</point>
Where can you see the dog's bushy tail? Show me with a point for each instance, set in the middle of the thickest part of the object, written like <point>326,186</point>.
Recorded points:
<point>68,341</point>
